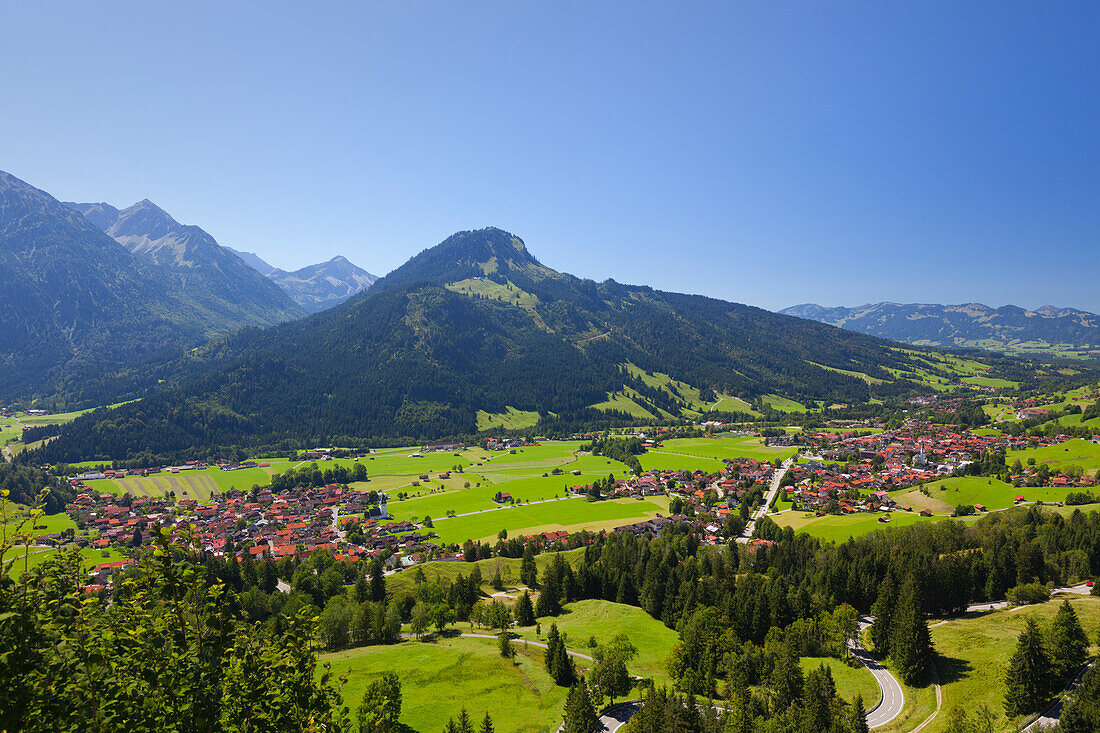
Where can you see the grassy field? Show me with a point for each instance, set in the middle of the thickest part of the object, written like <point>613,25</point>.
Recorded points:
<point>990,382</point>
<point>46,523</point>
<point>706,453</point>
<point>974,651</point>
<point>510,419</point>
<point>682,392</point>
<point>16,561</point>
<point>850,681</point>
<point>624,402</point>
<point>1076,452</point>
<point>603,620</point>
<point>733,404</point>
<point>835,527</point>
<point>990,492</point>
<point>568,514</point>
<point>190,484</point>
<point>508,568</point>
<point>439,678</point>
<point>783,404</point>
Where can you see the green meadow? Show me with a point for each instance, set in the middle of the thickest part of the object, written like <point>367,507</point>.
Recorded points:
<point>440,677</point>
<point>948,493</point>
<point>1076,452</point>
<point>850,681</point>
<point>584,620</point>
<point>572,514</point>
<point>973,652</point>
<point>839,528</point>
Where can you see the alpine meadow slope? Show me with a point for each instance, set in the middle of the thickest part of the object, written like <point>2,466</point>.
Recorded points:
<point>478,324</point>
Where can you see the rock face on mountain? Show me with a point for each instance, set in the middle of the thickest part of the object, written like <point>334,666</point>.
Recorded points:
<point>321,286</point>
<point>215,278</point>
<point>476,327</point>
<point>315,287</point>
<point>1008,328</point>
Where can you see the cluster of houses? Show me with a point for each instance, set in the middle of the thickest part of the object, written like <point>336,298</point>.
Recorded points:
<point>257,524</point>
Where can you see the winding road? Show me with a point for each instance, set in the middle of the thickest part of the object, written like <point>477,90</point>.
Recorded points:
<point>891,699</point>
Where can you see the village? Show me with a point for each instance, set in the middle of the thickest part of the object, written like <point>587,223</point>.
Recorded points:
<point>840,470</point>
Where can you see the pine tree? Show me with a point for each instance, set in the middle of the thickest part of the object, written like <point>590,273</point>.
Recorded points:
<point>565,673</point>
<point>552,640</point>
<point>910,642</point>
<point>883,611</point>
<point>525,610</point>
<point>1026,679</point>
<point>1068,643</point>
<point>528,572</point>
<point>377,582</point>
<point>580,715</point>
<point>486,724</point>
<point>859,716</point>
<point>463,724</point>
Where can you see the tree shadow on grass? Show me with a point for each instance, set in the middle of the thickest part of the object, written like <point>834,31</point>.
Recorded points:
<point>951,669</point>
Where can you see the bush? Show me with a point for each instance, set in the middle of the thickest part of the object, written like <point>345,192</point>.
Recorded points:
<point>963,510</point>
<point>1026,593</point>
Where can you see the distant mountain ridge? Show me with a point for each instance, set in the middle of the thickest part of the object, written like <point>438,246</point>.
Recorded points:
<point>315,287</point>
<point>214,277</point>
<point>1008,328</point>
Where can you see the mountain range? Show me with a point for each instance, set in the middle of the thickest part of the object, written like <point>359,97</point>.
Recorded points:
<point>477,328</point>
<point>271,295</point>
<point>973,325</point>
<point>211,276</point>
<point>315,287</point>
<point>75,303</point>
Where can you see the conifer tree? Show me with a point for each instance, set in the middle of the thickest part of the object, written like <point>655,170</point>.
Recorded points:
<point>883,611</point>
<point>1068,643</point>
<point>1026,679</point>
<point>859,716</point>
<point>525,611</point>
<point>486,724</point>
<point>552,641</point>
<point>580,715</point>
<point>528,572</point>
<point>910,642</point>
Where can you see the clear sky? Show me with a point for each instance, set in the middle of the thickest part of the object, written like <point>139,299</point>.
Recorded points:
<point>760,151</point>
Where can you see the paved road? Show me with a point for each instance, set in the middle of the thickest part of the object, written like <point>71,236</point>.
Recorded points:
<point>746,534</point>
<point>892,698</point>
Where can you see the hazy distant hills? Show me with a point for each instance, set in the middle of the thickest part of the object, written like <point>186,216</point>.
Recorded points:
<point>1009,328</point>
<point>213,277</point>
<point>315,287</point>
<point>477,326</point>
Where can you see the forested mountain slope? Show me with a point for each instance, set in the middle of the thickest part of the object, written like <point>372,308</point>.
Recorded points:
<point>1008,328</point>
<point>74,302</point>
<point>478,324</point>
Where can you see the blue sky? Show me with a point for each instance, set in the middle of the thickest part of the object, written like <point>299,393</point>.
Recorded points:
<point>764,152</point>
